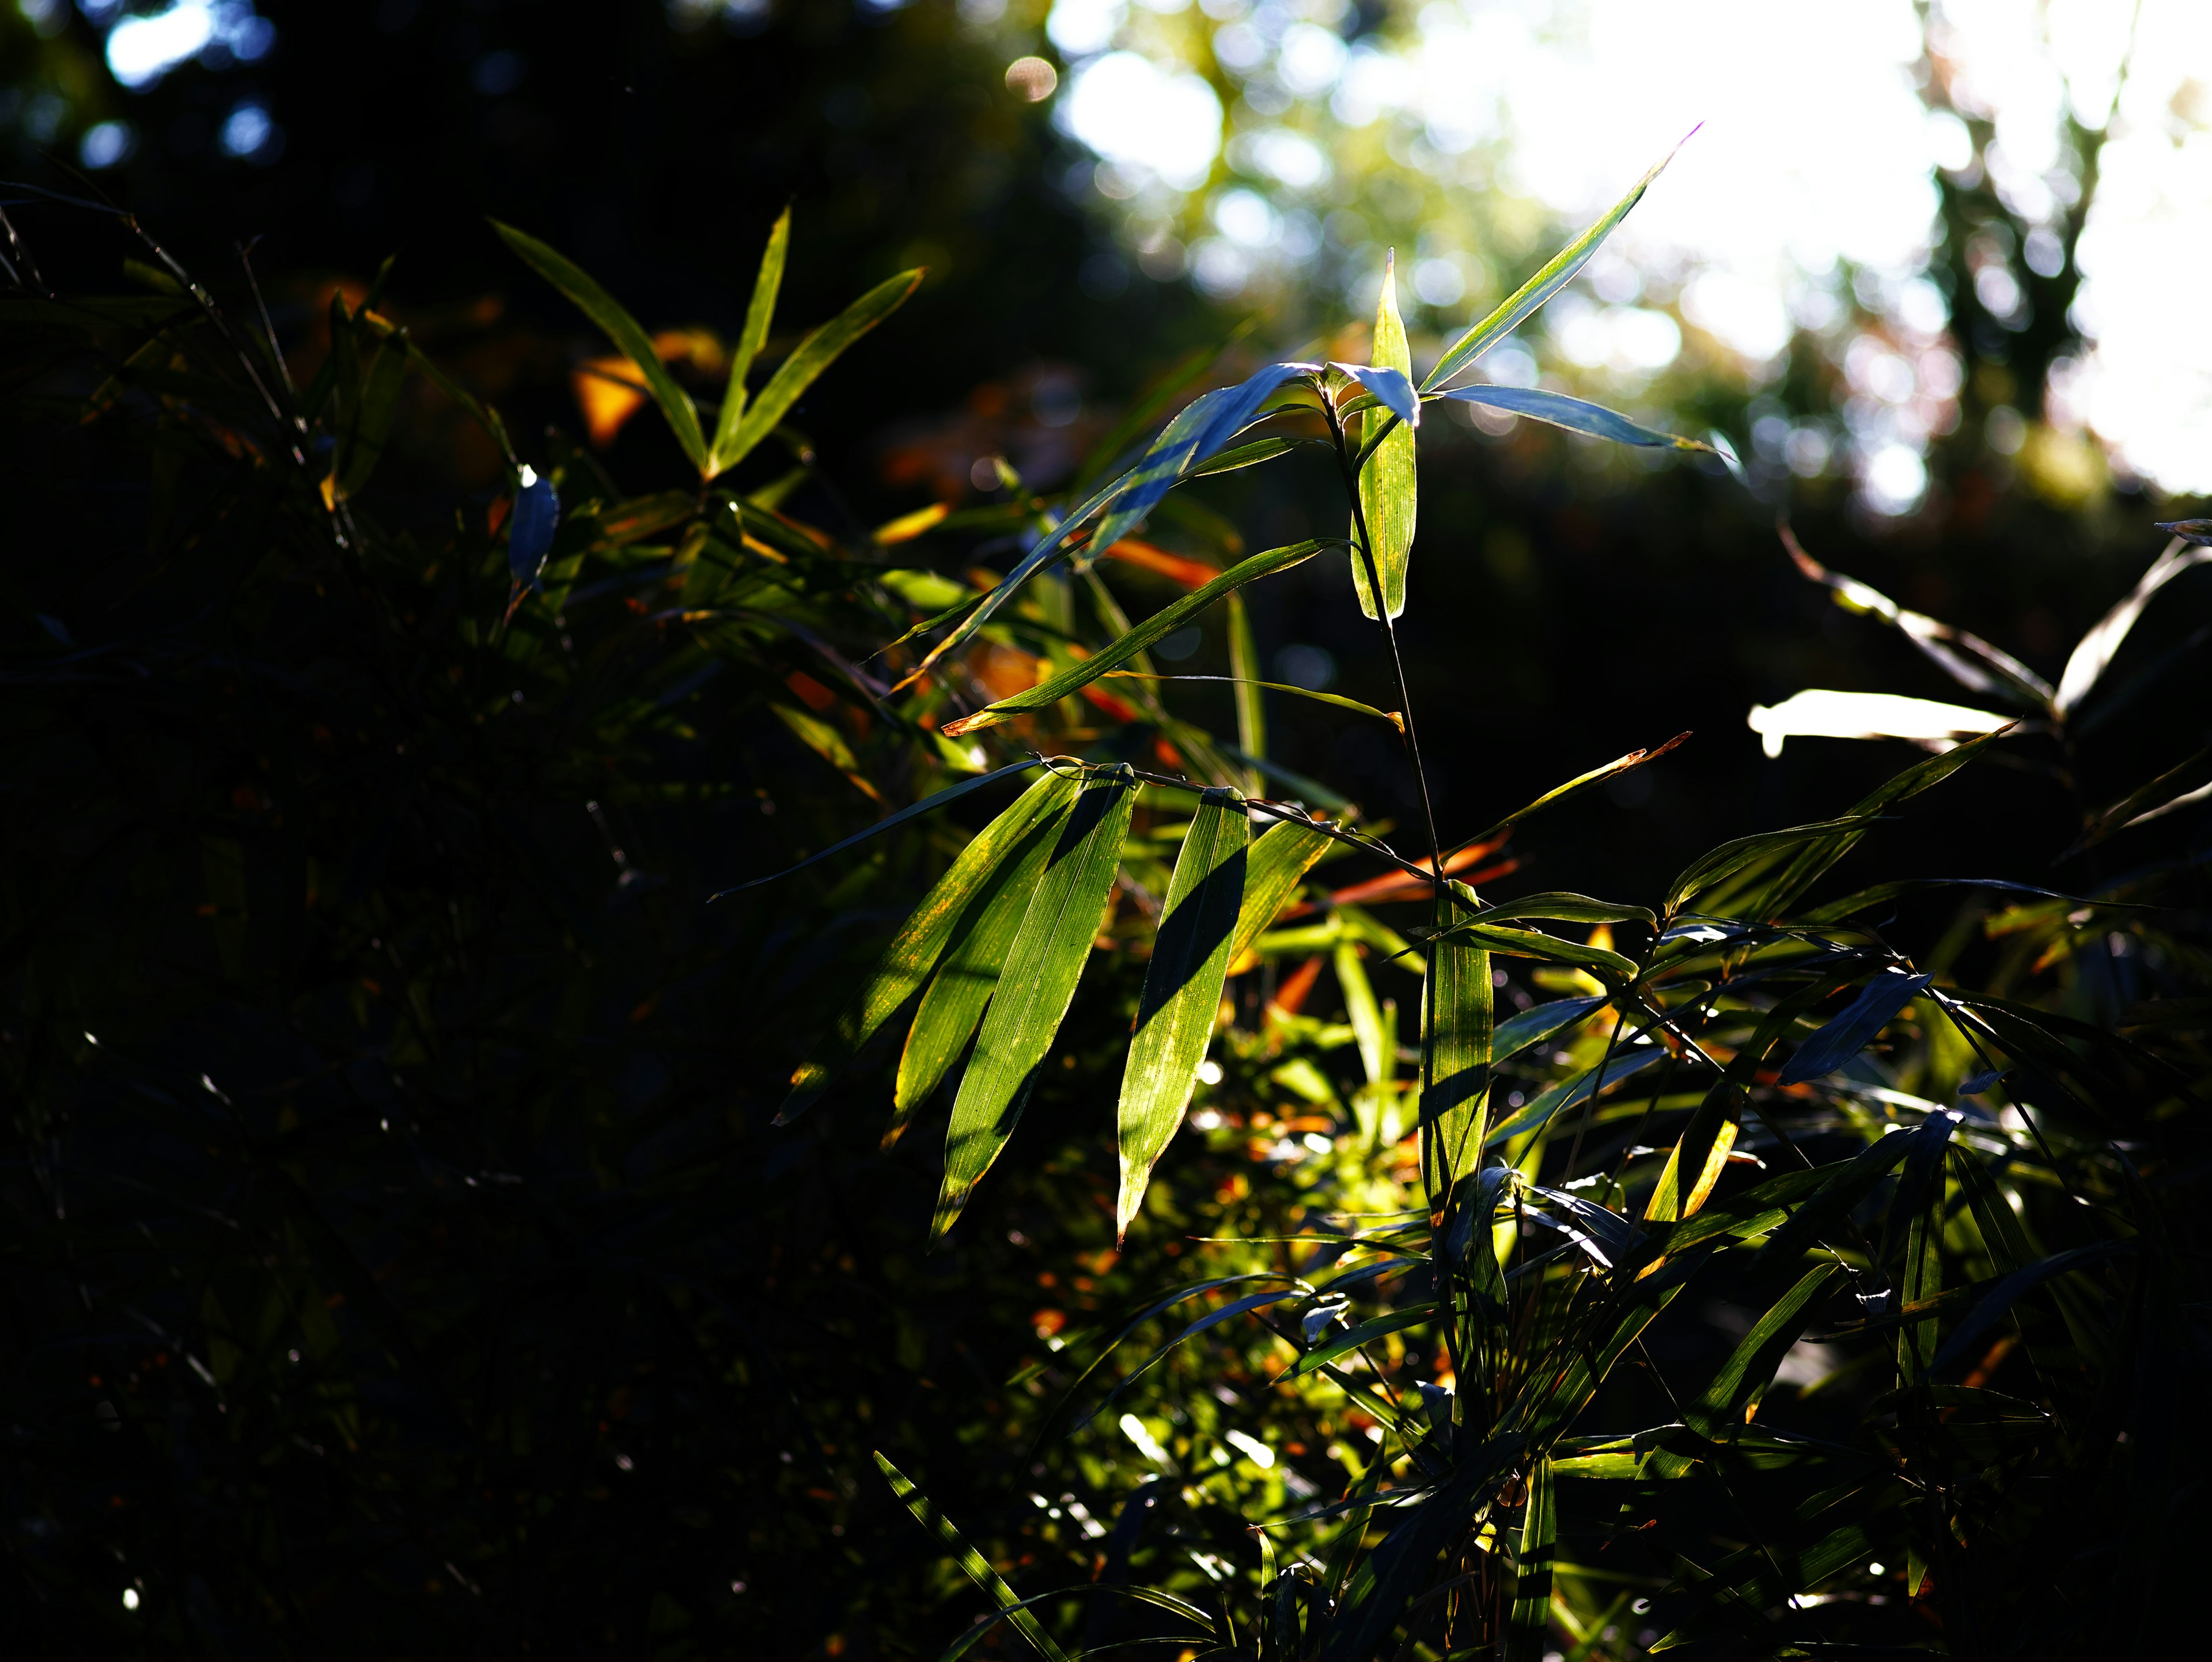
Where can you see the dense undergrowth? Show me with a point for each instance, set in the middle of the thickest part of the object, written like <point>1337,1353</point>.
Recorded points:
<point>403,1259</point>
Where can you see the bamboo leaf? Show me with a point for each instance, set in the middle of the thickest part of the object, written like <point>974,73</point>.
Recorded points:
<point>922,938</point>
<point>1576,415</point>
<point>1732,857</point>
<point>530,532</point>
<point>966,977</point>
<point>2001,1298</point>
<point>620,327</point>
<point>1388,484</point>
<point>1823,1204</point>
<point>1575,786</point>
<point>760,313</point>
<point>813,355</point>
<point>362,443</point>
<point>1251,689</point>
<point>1571,1093</point>
<point>1246,455</point>
<point>1461,1001</point>
<point>1517,1032</point>
<point>1350,1339</point>
<point>1747,1374</point>
<point>1531,1619</point>
<point>1694,1163</point>
<point>1851,1032</point>
<point>1821,713</point>
<point>1280,859</point>
<point>1557,273</point>
<point>1183,989</point>
<point>1161,624</point>
<point>977,1567</point>
<point>1966,658</point>
<point>1563,907</point>
<point>2094,653</point>
<point>1035,986</point>
<point>1534,943</point>
<point>1251,707</point>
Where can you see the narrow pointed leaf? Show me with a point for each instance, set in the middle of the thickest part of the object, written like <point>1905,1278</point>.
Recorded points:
<point>1821,1208</point>
<point>529,533</point>
<point>922,940</point>
<point>1566,908</point>
<point>968,974</point>
<point>1244,668</point>
<point>1966,658</point>
<point>1576,415</point>
<point>1851,1032</point>
<point>1388,484</point>
<point>1824,713</point>
<point>1531,1619</point>
<point>1732,857</point>
<point>1459,1053</point>
<point>1280,859</point>
<point>1203,426</point>
<point>1246,455</point>
<point>1160,625</point>
<point>1345,1340</point>
<point>1183,989</point>
<point>1694,1163</point>
<point>2095,653</point>
<point>813,355</point>
<point>1575,786</point>
<point>1517,1032</point>
<point>760,313</point>
<point>1534,943</point>
<point>978,1568</point>
<point>1036,987</point>
<point>363,439</point>
<point>1555,276</point>
<point>2001,1298</point>
<point>620,327</point>
<point>1747,1374</point>
<point>1571,1093</point>
<point>1250,690</point>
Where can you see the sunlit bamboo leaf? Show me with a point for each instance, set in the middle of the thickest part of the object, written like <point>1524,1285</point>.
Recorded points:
<point>1035,986</point>
<point>1967,658</point>
<point>1606,965</point>
<point>2094,653</point>
<point>1183,989</point>
<point>1388,484</point>
<point>1732,857</point>
<point>922,940</point>
<point>1530,1620</point>
<point>1247,455</point>
<point>1575,786</point>
<point>1571,1093</point>
<point>1378,1048</point>
<point>1277,863</point>
<point>1461,997</point>
<point>1161,624</point>
<point>760,313</point>
<point>1251,689</point>
<point>1576,415</point>
<point>1694,1163</point>
<point>620,327</point>
<point>1557,273</point>
<point>1821,713</point>
<point>1566,908</point>
<point>977,1568</point>
<point>1517,1032</point>
<point>961,988</point>
<point>1347,1340</point>
<point>813,355</point>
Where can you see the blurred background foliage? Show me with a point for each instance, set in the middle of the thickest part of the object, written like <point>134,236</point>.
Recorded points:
<point>684,1330</point>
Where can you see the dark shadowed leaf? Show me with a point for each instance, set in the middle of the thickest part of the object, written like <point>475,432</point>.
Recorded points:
<point>1851,1032</point>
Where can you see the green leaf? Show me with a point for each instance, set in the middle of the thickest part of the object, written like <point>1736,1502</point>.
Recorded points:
<point>1574,787</point>
<point>368,423</point>
<point>1244,668</point>
<point>1183,989</point>
<point>1534,943</point>
<point>922,938</point>
<point>1840,1040</point>
<point>1517,1032</point>
<point>1531,1619</point>
<point>1280,859</point>
<point>623,330</point>
<point>1555,276</point>
<point>1576,415</point>
<point>797,373</point>
<point>1342,1344</point>
<point>1459,1055</point>
<point>1571,1093</point>
<point>977,1568</point>
<point>1166,1601</point>
<point>1746,1372</point>
<point>1251,689</point>
<point>1246,455</point>
<point>1822,1208</point>
<point>1566,908</point>
<point>759,313</point>
<point>1035,986</point>
<point>928,804</point>
<point>961,990</point>
<point>2001,1298</point>
<point>1732,857</point>
<point>1388,483</point>
<point>1161,624</point>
